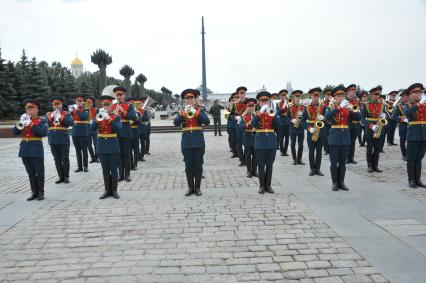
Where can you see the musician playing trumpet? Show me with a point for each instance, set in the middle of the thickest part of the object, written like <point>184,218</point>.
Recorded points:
<point>80,132</point>
<point>32,128</point>
<point>191,118</point>
<point>354,126</point>
<point>326,130</point>
<point>108,124</point>
<point>339,138</point>
<point>249,136</point>
<point>398,115</point>
<point>59,140</point>
<point>313,121</point>
<point>297,132</point>
<point>265,144</point>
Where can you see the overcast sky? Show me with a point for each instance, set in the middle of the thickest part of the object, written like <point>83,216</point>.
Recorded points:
<point>252,43</point>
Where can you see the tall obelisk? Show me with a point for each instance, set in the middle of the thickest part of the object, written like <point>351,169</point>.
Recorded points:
<point>204,79</point>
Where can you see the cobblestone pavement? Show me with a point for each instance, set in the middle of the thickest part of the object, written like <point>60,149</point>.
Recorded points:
<point>155,234</point>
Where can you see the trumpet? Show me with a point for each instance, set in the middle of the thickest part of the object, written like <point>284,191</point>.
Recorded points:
<point>56,119</point>
<point>190,112</point>
<point>290,102</point>
<point>353,107</point>
<point>25,119</point>
<point>101,115</point>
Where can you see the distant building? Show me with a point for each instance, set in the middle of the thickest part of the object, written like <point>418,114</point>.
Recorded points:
<point>76,67</point>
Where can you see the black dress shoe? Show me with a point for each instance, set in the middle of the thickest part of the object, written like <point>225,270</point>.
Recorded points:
<point>294,162</point>
<point>197,192</point>
<point>325,152</point>
<point>92,161</point>
<point>285,154</point>
<point>282,153</point>
<point>241,164</point>
<point>128,179</point>
<point>261,190</point>
<point>234,156</point>
<point>420,183</point>
<point>335,187</point>
<point>312,172</point>
<point>86,169</point>
<point>404,158</point>
<point>300,162</point>
<point>104,195</point>
<point>249,175</point>
<point>147,153</point>
<point>78,170</point>
<point>254,174</point>
<point>377,170</point>
<point>115,195</point>
<point>370,170</point>
<point>66,180</point>
<point>189,192</point>
<point>319,173</point>
<point>353,161</point>
<point>121,178</point>
<point>412,184</point>
<point>269,190</point>
<point>40,196</point>
<point>32,197</point>
<point>347,161</point>
<point>60,180</point>
<point>382,151</point>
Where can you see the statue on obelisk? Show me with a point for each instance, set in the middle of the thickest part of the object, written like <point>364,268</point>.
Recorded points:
<point>204,79</point>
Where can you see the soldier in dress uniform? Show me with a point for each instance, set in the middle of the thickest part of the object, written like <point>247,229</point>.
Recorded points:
<point>265,144</point>
<point>327,94</point>
<point>192,144</point>
<point>398,115</point>
<point>249,136</point>
<point>374,119</point>
<point>416,134</point>
<point>354,125</point>
<point>294,114</point>
<point>390,136</point>
<point>59,122</point>
<point>32,128</point>
<point>80,132</point>
<point>127,114</point>
<point>143,128</point>
<point>382,99</point>
<point>363,95</point>
<point>134,142</point>
<point>231,125</point>
<point>108,124</point>
<point>284,122</point>
<point>238,110</point>
<point>90,102</point>
<point>339,138</point>
<point>313,121</point>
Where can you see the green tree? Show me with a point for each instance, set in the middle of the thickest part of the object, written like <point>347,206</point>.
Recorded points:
<point>38,85</point>
<point>8,98</point>
<point>102,59</point>
<point>126,71</point>
<point>141,79</point>
<point>22,76</point>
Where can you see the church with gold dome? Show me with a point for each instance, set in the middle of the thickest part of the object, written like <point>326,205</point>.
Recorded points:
<point>76,67</point>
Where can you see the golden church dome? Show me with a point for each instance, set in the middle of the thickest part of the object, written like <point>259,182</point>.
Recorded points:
<point>76,61</point>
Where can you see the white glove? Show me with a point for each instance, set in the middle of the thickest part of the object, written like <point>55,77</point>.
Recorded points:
<point>73,107</point>
<point>344,104</point>
<point>24,117</point>
<point>312,130</point>
<point>59,115</point>
<point>374,128</point>
<point>26,122</point>
<point>105,115</point>
<point>52,115</point>
<point>187,107</point>
<point>294,121</point>
<point>405,120</point>
<point>320,117</point>
<point>238,118</point>
<point>383,116</point>
<point>264,108</point>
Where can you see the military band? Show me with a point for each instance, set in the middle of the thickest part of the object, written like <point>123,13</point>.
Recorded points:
<point>336,119</point>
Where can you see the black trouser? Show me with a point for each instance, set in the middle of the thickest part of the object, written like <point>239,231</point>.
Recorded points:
<point>315,153</point>
<point>61,153</point>
<point>403,139</point>
<point>147,142</point>
<point>92,139</point>
<point>361,135</point>
<point>373,150</point>
<point>80,144</point>
<point>415,153</point>
<point>232,137</point>
<point>354,135</point>
<point>382,139</point>
<point>250,159</point>
<point>391,131</point>
<point>299,138</point>
<point>217,126</point>
<point>283,138</point>
<point>134,152</point>
<point>142,138</point>
<point>124,164</point>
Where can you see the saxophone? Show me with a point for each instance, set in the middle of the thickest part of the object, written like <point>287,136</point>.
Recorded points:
<point>381,122</point>
<point>317,126</point>
<point>298,117</point>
